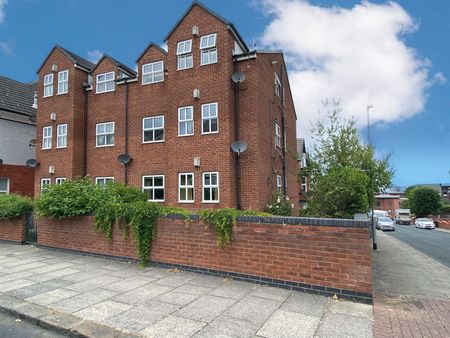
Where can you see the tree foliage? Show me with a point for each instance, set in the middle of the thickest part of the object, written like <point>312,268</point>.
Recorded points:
<point>337,148</point>
<point>424,201</point>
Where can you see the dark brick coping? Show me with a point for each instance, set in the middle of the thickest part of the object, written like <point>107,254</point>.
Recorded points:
<point>361,297</point>
<point>331,222</point>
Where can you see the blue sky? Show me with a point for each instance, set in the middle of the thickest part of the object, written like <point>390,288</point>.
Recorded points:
<point>327,44</point>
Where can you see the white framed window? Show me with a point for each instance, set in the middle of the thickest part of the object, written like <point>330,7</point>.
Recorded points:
<point>63,82</point>
<point>105,82</point>
<point>103,181</point>
<point>279,183</point>
<point>61,136</point>
<point>186,188</point>
<point>48,85</point>
<point>4,186</point>
<point>153,72</point>
<point>105,134</point>
<point>208,56</point>
<point>186,121</point>
<point>184,54</point>
<point>60,180</point>
<point>153,186</point>
<point>45,183</point>
<point>208,41</point>
<point>277,135</point>
<point>210,122</point>
<point>277,85</point>
<point>153,129</point>
<point>210,189</point>
<point>208,48</point>
<point>47,137</point>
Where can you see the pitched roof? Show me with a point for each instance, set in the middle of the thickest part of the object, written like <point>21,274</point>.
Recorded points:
<point>116,63</point>
<point>151,44</point>
<point>230,25</point>
<point>16,100</point>
<point>76,59</point>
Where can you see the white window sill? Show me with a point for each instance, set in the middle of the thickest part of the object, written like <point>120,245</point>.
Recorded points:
<point>147,142</point>
<point>105,146</point>
<point>211,132</point>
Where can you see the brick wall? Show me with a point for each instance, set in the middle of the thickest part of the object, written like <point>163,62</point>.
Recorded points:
<point>21,178</point>
<point>12,229</point>
<point>330,258</point>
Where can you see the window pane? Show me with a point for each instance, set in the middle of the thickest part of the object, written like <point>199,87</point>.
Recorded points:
<point>101,140</point>
<point>110,139</point>
<point>189,179</point>
<point>100,128</point>
<point>147,123</point>
<point>182,194</point>
<point>206,126</point>
<point>3,184</point>
<point>214,125</point>
<point>159,134</point>
<point>158,122</point>
<point>158,181</point>
<point>188,113</point>
<point>190,194</point>
<point>159,194</point>
<point>207,179</point>
<point>213,179</point>
<point>190,127</point>
<point>212,40</point>
<point>182,180</point>
<point>189,61</point>
<point>215,194</point>
<point>207,194</point>
<point>157,66</point>
<point>148,135</point>
<point>109,128</point>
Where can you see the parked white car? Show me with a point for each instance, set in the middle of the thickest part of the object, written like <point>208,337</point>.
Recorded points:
<point>385,223</point>
<point>425,223</point>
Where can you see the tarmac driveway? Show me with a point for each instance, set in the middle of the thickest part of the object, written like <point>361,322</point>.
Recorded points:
<point>100,297</point>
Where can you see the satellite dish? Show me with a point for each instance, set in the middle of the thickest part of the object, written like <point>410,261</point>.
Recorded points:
<point>238,77</point>
<point>239,147</point>
<point>124,158</point>
<point>32,163</point>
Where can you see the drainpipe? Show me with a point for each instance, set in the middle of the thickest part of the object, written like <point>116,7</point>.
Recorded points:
<point>86,86</point>
<point>283,128</point>
<point>126,131</point>
<point>236,127</point>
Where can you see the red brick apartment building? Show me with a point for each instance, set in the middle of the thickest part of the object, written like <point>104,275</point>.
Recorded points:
<point>176,119</point>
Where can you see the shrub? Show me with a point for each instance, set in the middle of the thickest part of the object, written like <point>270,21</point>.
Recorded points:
<point>14,206</point>
<point>70,199</point>
<point>279,205</point>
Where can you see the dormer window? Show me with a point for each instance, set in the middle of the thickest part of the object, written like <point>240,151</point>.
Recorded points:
<point>105,83</point>
<point>48,85</point>
<point>208,49</point>
<point>184,52</point>
<point>63,82</point>
<point>153,72</point>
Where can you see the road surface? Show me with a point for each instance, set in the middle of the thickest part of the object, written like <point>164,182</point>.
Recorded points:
<point>433,243</point>
<point>10,327</point>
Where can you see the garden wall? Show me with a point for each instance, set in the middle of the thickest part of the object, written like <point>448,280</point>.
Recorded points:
<point>12,230</point>
<point>314,255</point>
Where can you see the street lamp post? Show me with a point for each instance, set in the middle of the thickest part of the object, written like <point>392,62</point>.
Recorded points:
<point>374,241</point>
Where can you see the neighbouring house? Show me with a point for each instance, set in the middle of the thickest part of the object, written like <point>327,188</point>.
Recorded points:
<point>169,127</point>
<point>304,177</point>
<point>388,202</point>
<point>18,107</point>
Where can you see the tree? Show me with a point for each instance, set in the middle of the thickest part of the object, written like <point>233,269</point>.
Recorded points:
<point>341,193</point>
<point>338,145</point>
<point>424,201</point>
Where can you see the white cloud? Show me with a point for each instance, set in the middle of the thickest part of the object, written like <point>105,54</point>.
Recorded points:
<point>2,9</point>
<point>94,55</point>
<point>356,56</point>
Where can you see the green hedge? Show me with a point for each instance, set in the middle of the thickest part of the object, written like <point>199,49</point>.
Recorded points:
<point>14,206</point>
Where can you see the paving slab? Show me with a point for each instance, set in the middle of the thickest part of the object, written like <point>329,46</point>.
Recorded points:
<point>271,293</point>
<point>224,326</point>
<point>142,294</point>
<point>287,324</point>
<point>253,309</point>
<point>205,308</point>
<point>83,300</point>
<point>138,318</point>
<point>103,310</point>
<point>305,303</point>
<point>177,298</point>
<point>53,296</point>
<point>173,327</point>
<point>344,326</point>
<point>233,289</point>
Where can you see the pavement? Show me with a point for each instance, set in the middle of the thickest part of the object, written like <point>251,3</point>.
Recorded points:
<point>97,297</point>
<point>430,242</point>
<point>411,292</point>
